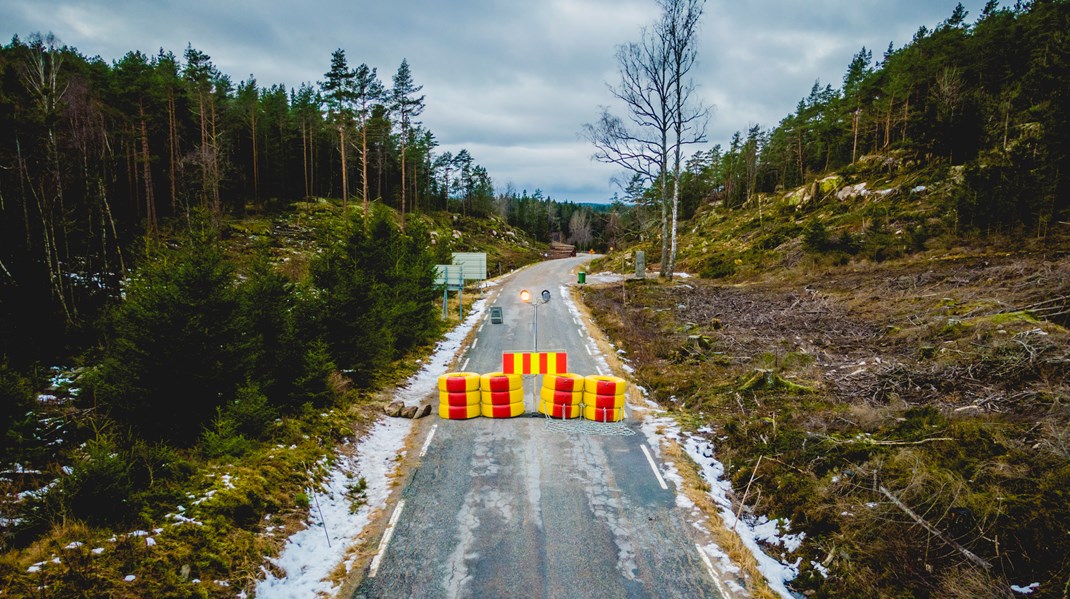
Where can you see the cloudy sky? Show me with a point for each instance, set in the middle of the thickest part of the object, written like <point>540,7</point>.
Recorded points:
<point>511,80</point>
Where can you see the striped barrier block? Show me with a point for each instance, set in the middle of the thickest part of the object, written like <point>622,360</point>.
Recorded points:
<point>526,362</point>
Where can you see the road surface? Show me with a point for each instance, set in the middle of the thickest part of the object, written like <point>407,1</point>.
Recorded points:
<point>515,508</point>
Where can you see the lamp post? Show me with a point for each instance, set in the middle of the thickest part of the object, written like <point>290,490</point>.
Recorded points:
<point>525,296</point>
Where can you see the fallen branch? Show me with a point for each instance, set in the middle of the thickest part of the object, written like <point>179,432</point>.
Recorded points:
<point>868,441</point>
<point>973,557</point>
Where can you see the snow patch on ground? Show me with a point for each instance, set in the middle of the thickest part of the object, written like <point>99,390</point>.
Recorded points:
<point>307,557</point>
<point>656,426</point>
<point>1026,590</point>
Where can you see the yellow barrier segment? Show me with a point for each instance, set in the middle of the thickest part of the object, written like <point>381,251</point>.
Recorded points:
<point>603,414</point>
<point>565,381</point>
<point>502,398</point>
<point>559,410</point>
<point>458,412</point>
<point>459,381</point>
<point>507,411</point>
<point>458,398</point>
<point>604,385</point>
<point>561,397</point>
<point>603,401</point>
<point>499,381</point>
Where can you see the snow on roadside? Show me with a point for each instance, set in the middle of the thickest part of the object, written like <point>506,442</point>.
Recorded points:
<point>308,558</point>
<point>750,530</point>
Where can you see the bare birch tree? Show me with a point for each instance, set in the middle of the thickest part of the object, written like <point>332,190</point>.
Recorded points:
<point>642,146</point>
<point>678,30</point>
<point>657,91</point>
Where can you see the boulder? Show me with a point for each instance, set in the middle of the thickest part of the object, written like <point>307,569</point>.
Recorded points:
<point>409,412</point>
<point>394,409</point>
<point>425,410</point>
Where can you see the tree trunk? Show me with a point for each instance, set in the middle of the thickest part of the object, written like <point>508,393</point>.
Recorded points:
<point>146,165</point>
<point>345,171</point>
<point>256,171</point>
<point>171,136</point>
<point>364,166</point>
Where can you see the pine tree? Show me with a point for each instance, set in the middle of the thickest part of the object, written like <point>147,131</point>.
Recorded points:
<point>338,95</point>
<point>407,106</point>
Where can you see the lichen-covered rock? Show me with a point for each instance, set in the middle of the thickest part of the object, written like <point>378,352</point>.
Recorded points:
<point>409,412</point>
<point>394,409</point>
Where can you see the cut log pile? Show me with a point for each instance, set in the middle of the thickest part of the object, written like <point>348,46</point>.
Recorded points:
<point>561,250</point>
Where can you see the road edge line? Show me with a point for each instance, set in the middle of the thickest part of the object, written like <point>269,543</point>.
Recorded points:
<point>653,466</point>
<point>383,544</point>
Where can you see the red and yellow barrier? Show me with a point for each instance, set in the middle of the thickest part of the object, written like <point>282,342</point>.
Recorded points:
<point>507,411</point>
<point>499,381</point>
<point>502,398</point>
<point>459,381</point>
<point>565,381</point>
<point>604,385</point>
<point>603,414</point>
<point>568,398</point>
<point>527,362</point>
<point>458,398</point>
<point>458,412</point>
<point>603,401</point>
<point>559,410</point>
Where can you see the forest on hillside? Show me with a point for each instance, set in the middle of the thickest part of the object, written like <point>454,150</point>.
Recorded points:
<point>97,157</point>
<point>988,96</point>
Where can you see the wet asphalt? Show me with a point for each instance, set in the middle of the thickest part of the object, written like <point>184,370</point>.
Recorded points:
<point>521,508</point>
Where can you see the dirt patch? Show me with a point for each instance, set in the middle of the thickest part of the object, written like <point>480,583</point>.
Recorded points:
<point>943,381</point>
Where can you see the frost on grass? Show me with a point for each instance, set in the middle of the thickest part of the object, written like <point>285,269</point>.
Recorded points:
<point>752,531</point>
<point>308,557</point>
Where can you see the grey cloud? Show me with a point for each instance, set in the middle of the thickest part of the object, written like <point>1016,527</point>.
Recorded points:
<point>512,81</point>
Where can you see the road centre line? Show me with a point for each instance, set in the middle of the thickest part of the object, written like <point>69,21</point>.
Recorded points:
<point>650,459</point>
<point>709,568</point>
<point>427,443</point>
<point>385,542</point>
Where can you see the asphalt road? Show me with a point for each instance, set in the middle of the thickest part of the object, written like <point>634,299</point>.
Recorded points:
<point>514,508</point>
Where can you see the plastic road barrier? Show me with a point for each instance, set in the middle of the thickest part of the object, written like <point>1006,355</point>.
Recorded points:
<point>459,381</point>
<point>458,398</point>
<point>604,385</point>
<point>603,401</point>
<point>565,381</point>
<point>559,410</point>
<point>502,398</point>
<point>499,381</point>
<point>458,412</point>
<point>526,362</point>
<point>603,414</point>
<point>565,398</point>
<point>507,411</point>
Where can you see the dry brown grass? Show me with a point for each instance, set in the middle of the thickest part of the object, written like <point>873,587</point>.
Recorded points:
<point>695,489</point>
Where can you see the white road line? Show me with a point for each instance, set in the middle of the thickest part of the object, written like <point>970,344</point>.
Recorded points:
<point>465,365</point>
<point>588,348</point>
<point>378,559</point>
<point>650,459</point>
<point>480,329</point>
<point>709,568</point>
<point>427,443</point>
<point>474,343</point>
